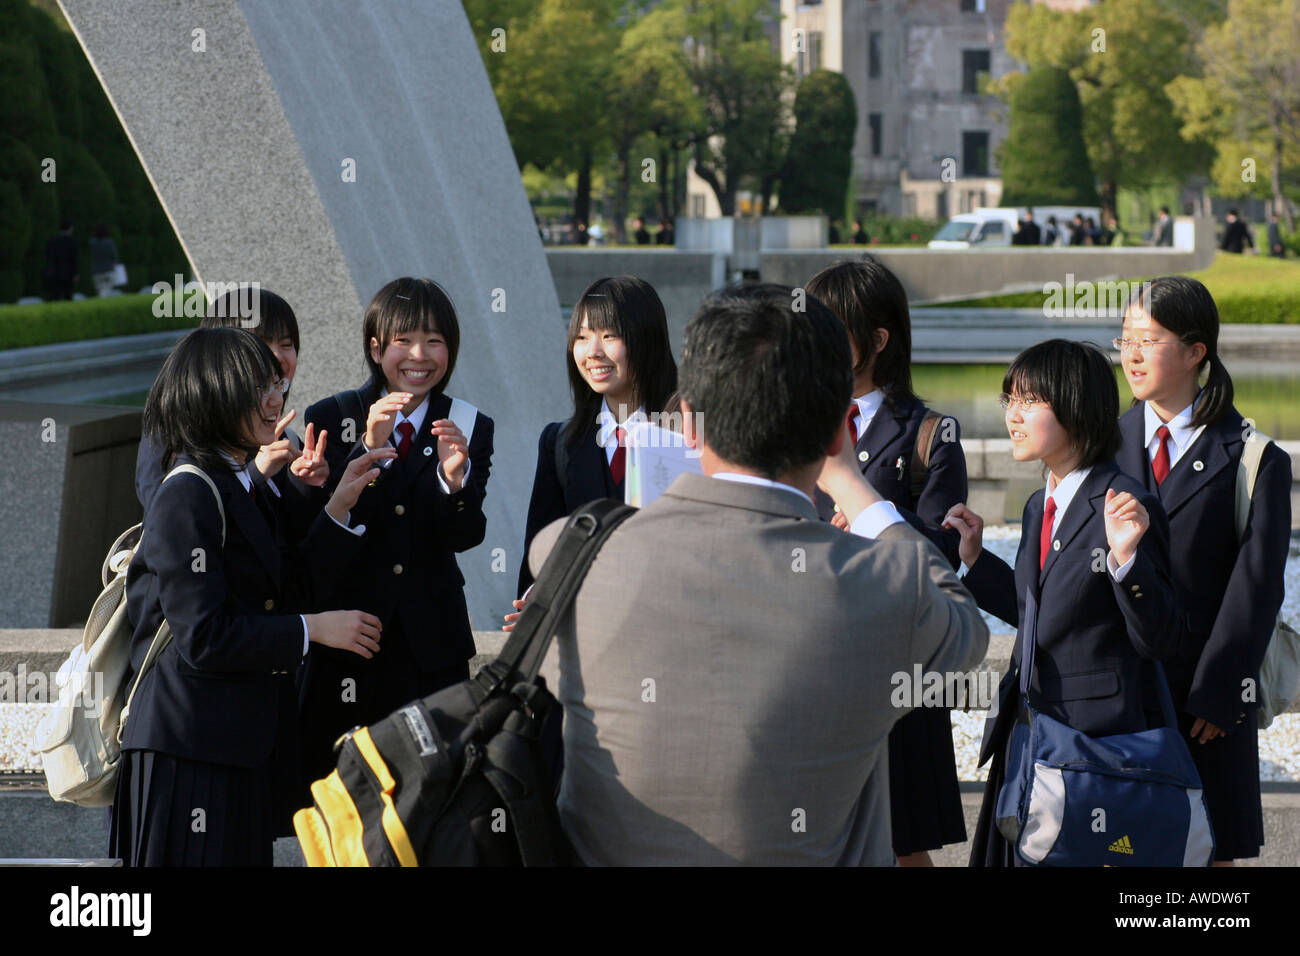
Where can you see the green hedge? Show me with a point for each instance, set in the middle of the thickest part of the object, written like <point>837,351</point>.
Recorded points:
<point>51,322</point>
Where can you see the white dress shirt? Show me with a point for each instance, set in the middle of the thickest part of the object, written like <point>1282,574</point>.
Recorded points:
<point>1181,433</point>
<point>608,425</point>
<point>873,519</point>
<point>416,418</point>
<point>868,405</point>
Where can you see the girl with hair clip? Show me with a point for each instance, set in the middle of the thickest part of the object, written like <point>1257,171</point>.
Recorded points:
<point>621,368</point>
<point>424,509</point>
<point>214,723</point>
<point>894,432</point>
<point>1093,564</point>
<point>1183,441</point>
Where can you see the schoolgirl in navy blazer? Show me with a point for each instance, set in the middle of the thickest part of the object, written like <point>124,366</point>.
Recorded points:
<point>1229,590</point>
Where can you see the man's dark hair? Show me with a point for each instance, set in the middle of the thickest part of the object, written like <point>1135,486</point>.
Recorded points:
<point>1232,212</point>
<point>770,385</point>
<point>201,401</point>
<point>867,296</point>
<point>234,309</point>
<point>1077,380</point>
<point>405,305</point>
<point>65,225</point>
<point>1165,210</point>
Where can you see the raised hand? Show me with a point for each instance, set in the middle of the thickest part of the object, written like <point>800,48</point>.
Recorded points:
<point>271,458</point>
<point>971,528</point>
<point>310,467</point>
<point>1126,522</point>
<point>359,473</point>
<point>383,416</point>
<point>453,451</point>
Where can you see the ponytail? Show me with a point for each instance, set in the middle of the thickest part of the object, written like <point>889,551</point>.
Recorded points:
<point>1215,399</point>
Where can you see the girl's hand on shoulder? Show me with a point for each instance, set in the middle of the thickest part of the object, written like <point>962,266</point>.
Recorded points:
<point>310,467</point>
<point>453,452</point>
<point>383,416</point>
<point>971,528</point>
<point>360,472</point>
<point>1126,522</point>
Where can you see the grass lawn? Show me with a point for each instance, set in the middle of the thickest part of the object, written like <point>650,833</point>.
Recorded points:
<point>1247,289</point>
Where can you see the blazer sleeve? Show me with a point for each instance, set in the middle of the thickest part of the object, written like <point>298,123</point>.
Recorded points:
<point>148,471</point>
<point>546,504</point>
<point>1146,595</point>
<point>1246,619</point>
<point>993,583</point>
<point>945,486</point>
<point>187,560</point>
<point>460,514</point>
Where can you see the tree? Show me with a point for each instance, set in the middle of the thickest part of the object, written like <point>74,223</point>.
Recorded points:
<point>815,177</point>
<point>1248,101</point>
<point>743,88</point>
<point>1043,159</point>
<point>1121,54</point>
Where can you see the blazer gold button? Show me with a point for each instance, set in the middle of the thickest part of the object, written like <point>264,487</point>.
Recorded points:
<point>428,450</point>
<point>1056,545</point>
<point>1136,588</point>
<point>397,569</point>
<point>269,605</point>
<point>460,506</point>
<point>1198,465</point>
<point>399,510</point>
<point>837,509</point>
<point>864,456</point>
<point>1138,595</point>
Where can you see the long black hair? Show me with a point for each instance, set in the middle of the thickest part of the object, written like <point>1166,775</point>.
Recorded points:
<point>866,296</point>
<point>1078,381</point>
<point>208,387</point>
<point>631,309</point>
<point>1186,308</point>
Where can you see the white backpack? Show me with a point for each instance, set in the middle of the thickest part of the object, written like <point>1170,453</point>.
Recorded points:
<point>80,739</point>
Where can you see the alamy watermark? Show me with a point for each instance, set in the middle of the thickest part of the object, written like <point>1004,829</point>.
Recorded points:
<point>242,300</point>
<point>1107,299</point>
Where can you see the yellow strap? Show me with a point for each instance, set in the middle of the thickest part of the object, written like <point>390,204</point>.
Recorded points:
<point>393,828</point>
<point>345,835</point>
<point>313,837</point>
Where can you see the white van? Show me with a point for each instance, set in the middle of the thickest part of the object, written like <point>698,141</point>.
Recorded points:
<point>993,227</point>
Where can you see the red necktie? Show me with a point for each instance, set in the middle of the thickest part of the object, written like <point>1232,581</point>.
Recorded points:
<point>619,461</point>
<point>1160,464</point>
<point>854,415</point>
<point>404,446</point>
<point>1045,538</point>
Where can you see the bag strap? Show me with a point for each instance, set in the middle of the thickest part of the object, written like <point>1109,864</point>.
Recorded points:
<point>358,413</point>
<point>1252,454</point>
<point>923,451</point>
<point>555,588</point>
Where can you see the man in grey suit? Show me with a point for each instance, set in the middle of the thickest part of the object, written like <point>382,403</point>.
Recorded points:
<point>729,669</point>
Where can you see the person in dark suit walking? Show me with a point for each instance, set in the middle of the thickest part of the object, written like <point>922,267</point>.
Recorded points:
<point>1163,232</point>
<point>1235,235</point>
<point>885,420</point>
<point>61,262</point>
<point>1091,585</point>
<point>426,507</point>
<point>210,745</point>
<point>621,368</point>
<point>1275,247</point>
<point>1184,443</point>
<point>1028,234</point>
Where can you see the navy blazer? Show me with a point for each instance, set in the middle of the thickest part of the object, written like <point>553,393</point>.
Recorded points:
<point>1229,592</point>
<point>217,693</point>
<point>587,477</point>
<point>891,436</point>
<point>1092,632</point>
<point>407,572</point>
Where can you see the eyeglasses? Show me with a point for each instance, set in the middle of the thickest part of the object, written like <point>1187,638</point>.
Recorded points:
<point>1026,404</point>
<point>1143,345</point>
<point>280,385</point>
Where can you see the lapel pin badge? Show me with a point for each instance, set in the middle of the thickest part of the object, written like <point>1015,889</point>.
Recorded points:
<point>1198,465</point>
<point>428,450</point>
<point>1056,545</point>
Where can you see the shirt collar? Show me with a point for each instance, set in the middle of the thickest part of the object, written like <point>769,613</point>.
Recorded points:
<point>761,482</point>
<point>1065,490</point>
<point>868,405</point>
<point>241,471</point>
<point>608,423</point>
<point>1180,427</point>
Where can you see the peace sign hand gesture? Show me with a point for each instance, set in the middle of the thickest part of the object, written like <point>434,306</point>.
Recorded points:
<point>310,467</point>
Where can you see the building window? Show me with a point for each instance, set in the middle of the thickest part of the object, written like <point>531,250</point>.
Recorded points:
<point>975,154</point>
<point>973,63</point>
<point>814,50</point>
<point>809,55</point>
<point>873,54</point>
<point>873,121</point>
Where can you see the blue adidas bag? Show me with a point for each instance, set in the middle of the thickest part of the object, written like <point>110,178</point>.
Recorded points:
<point>1124,800</point>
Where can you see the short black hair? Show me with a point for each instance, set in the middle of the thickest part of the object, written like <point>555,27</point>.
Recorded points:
<point>201,401</point>
<point>1165,210</point>
<point>1077,380</point>
<point>630,308</point>
<point>405,305</point>
<point>866,296</point>
<point>234,309</point>
<point>770,385</point>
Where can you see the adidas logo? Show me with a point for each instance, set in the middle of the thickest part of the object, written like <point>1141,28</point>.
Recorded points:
<point>1122,845</point>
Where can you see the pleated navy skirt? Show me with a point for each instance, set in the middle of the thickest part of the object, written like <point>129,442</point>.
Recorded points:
<point>170,811</point>
<point>924,798</point>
